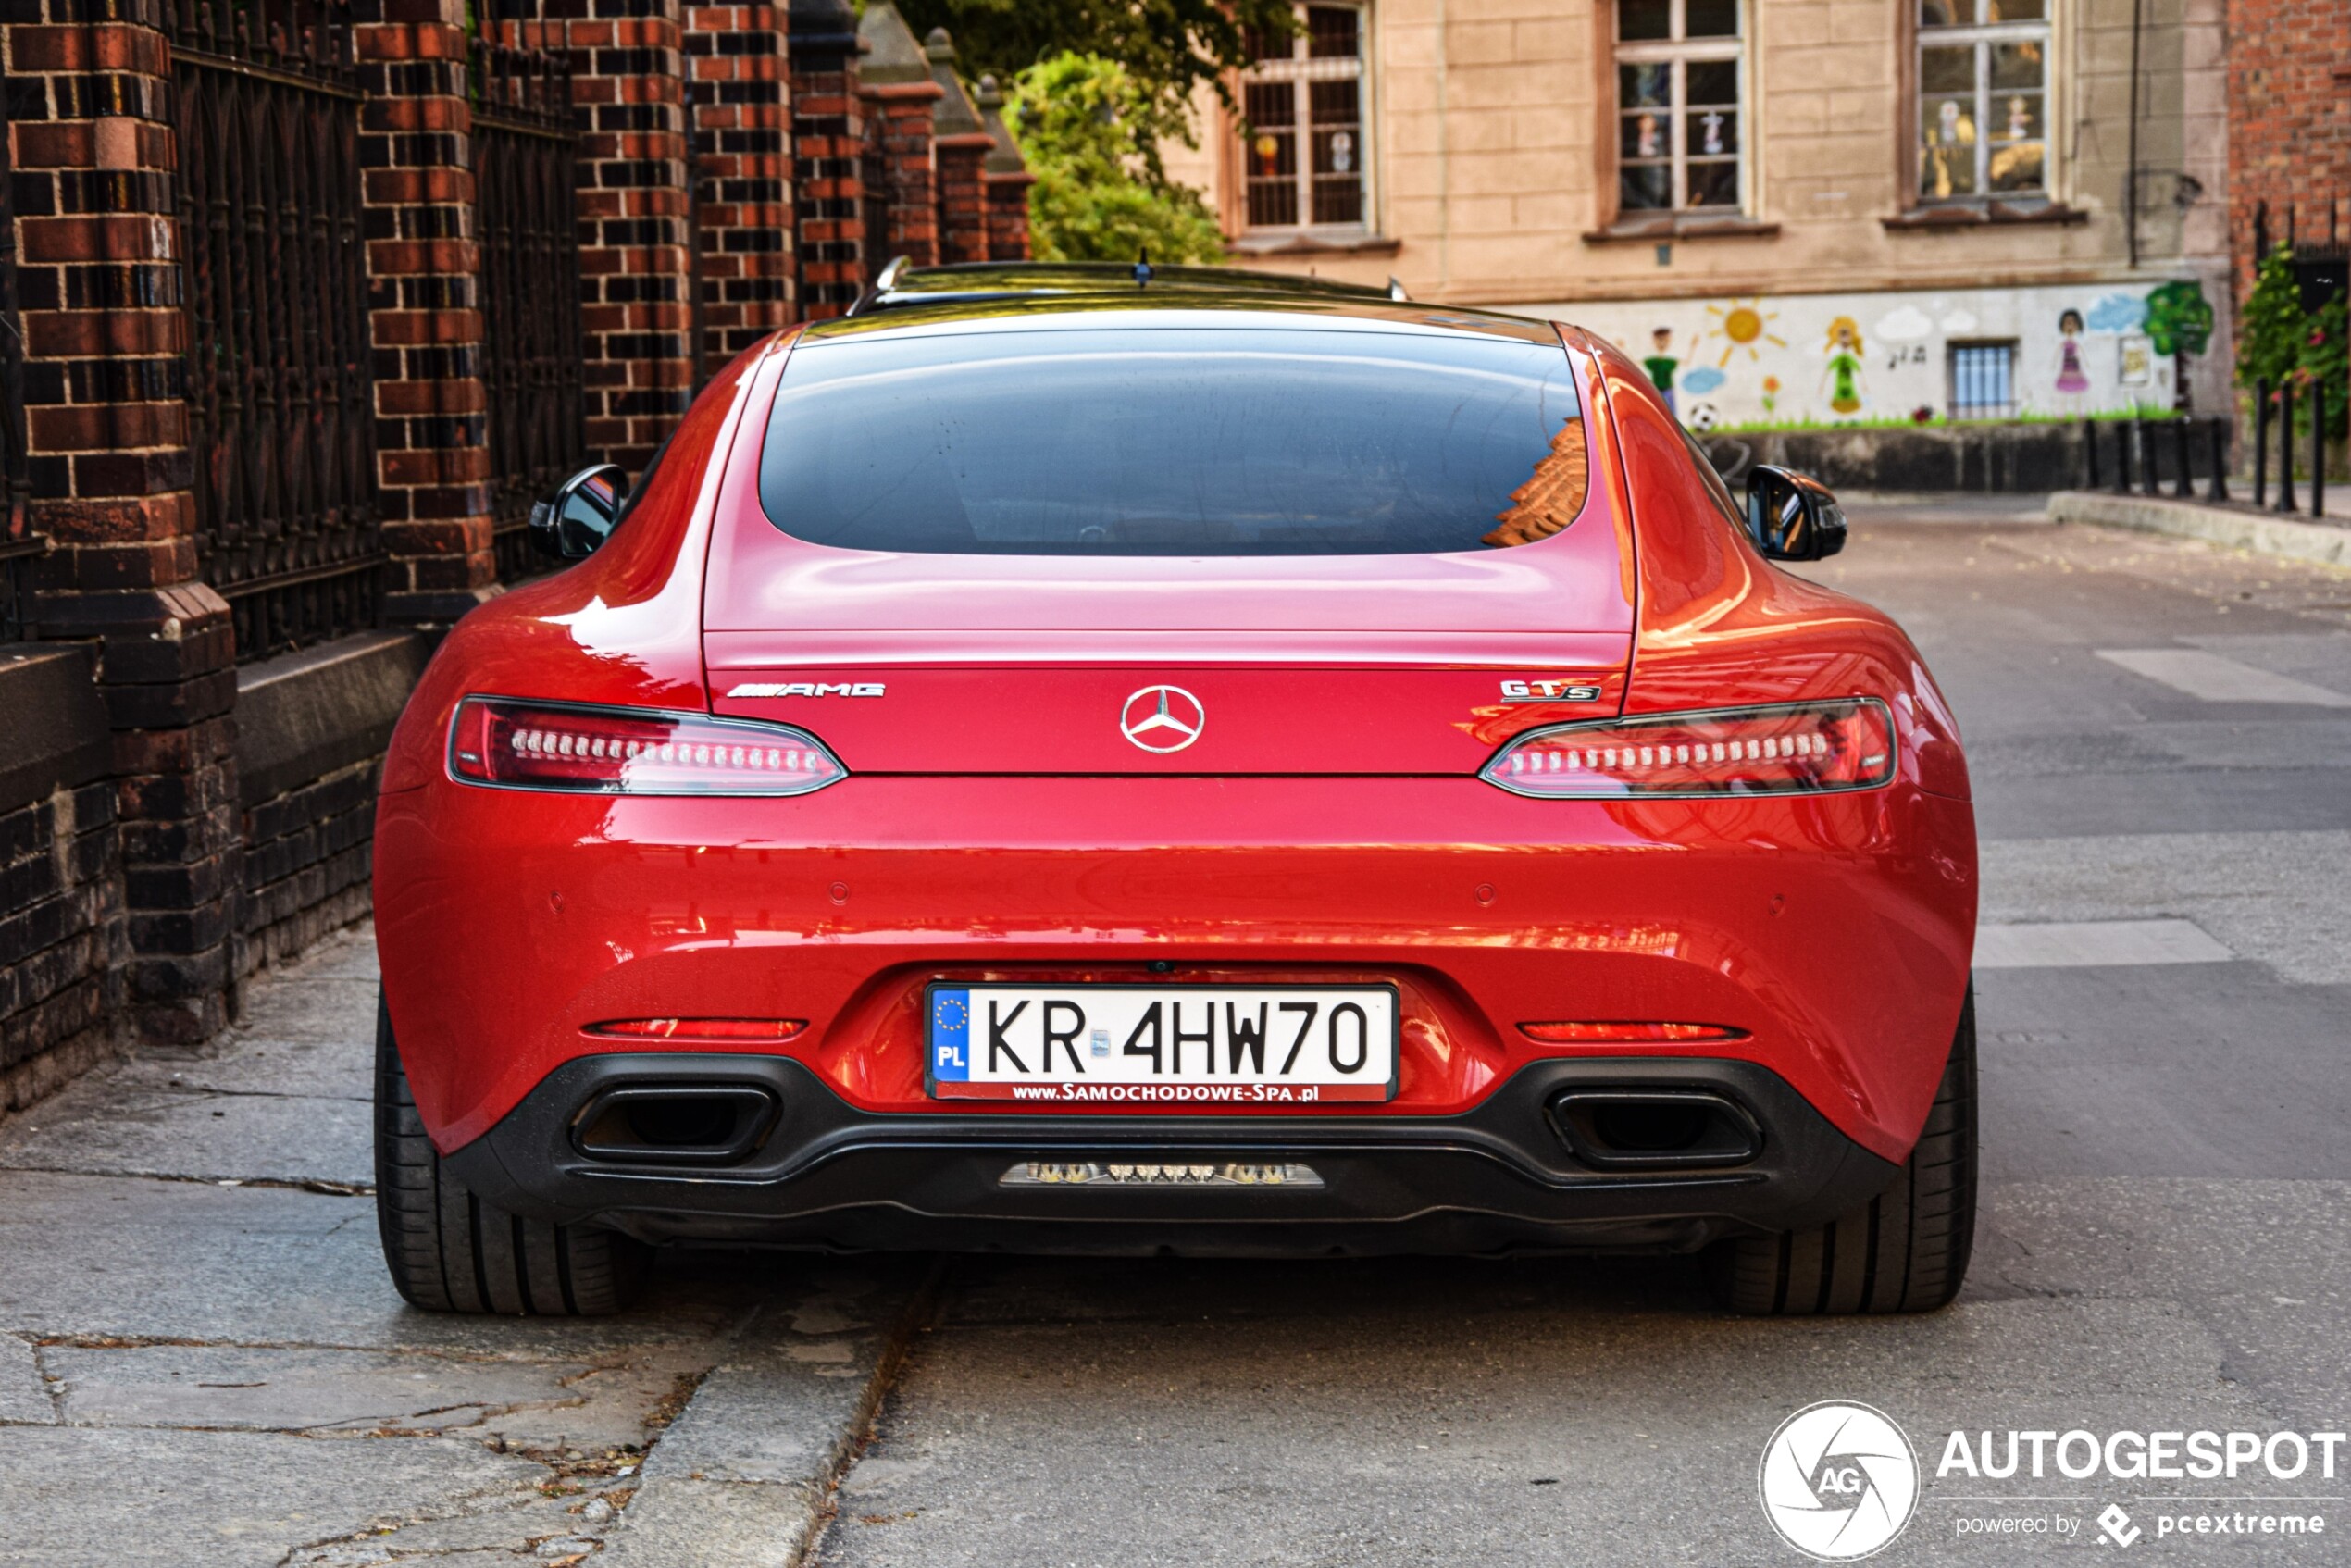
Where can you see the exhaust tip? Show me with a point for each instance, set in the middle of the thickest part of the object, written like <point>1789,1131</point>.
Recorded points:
<point>1656,1128</point>
<point>676,1124</point>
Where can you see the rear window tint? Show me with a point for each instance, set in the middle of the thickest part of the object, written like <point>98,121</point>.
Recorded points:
<point>1174,442</point>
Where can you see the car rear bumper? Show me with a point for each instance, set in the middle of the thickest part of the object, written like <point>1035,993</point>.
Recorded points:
<point>1502,1177</point>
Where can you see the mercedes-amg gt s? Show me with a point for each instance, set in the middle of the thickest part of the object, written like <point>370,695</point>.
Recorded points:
<point>1104,761</point>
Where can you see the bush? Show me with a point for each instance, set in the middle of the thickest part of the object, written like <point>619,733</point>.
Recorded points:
<point>1095,198</point>
<point>2279,342</point>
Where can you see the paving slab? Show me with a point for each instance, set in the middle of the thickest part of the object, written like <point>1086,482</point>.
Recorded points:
<point>93,1498</point>
<point>24,1396</point>
<point>113,1124</point>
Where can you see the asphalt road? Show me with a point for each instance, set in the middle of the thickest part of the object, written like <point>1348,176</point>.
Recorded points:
<point>201,1362</point>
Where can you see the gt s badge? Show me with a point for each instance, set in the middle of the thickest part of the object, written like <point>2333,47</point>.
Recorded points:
<point>807,689</point>
<point>1549,691</point>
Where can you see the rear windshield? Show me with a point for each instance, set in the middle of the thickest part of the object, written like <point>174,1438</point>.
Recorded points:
<point>1174,442</point>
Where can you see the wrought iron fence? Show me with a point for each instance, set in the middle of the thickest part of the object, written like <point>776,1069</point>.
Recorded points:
<point>18,545</point>
<point>525,155</point>
<point>280,393</point>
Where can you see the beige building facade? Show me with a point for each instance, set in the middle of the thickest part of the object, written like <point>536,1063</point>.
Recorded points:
<point>1800,210</point>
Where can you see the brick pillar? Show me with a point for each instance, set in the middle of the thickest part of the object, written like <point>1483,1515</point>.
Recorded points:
<point>896,83</point>
<point>89,106</point>
<point>636,221</point>
<point>740,95</point>
<point>432,451</point>
<point>1005,179</point>
<point>828,133</point>
<point>960,143</point>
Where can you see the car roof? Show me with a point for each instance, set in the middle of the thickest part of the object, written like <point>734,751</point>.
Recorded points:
<point>1059,295</point>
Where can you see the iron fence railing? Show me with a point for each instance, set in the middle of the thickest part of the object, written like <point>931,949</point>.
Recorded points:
<point>526,158</point>
<point>280,390</point>
<point>18,545</point>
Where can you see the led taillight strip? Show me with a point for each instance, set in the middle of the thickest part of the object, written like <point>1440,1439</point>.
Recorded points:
<point>1782,749</point>
<point>510,744</point>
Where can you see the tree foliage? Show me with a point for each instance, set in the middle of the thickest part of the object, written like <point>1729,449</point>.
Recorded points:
<point>1093,199</point>
<point>2179,319</point>
<point>1167,47</point>
<point>2279,342</point>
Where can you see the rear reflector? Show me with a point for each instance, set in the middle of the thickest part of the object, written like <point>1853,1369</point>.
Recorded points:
<point>521,746</point>
<point>766,1030</point>
<point>1793,749</point>
<point>1636,1034</point>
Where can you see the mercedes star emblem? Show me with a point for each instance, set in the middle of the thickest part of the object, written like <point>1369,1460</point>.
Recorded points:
<point>1162,718</point>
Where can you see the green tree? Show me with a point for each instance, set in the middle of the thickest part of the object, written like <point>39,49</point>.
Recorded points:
<point>1168,48</point>
<point>1094,199</point>
<point>2179,318</point>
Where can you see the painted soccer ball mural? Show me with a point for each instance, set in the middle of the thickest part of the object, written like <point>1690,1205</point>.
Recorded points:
<point>1702,417</point>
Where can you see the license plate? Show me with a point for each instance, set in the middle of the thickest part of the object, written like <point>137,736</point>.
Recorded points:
<point>1182,1047</point>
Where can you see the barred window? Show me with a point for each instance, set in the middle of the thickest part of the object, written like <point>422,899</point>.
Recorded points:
<point>1681,93</point>
<point>1306,147</point>
<point>1984,93</point>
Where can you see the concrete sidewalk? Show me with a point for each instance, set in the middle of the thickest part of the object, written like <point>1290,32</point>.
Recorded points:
<point>2235,527</point>
<point>201,1361</point>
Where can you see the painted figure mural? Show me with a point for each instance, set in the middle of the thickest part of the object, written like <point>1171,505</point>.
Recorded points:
<point>2071,379</point>
<point>1842,376</point>
<point>1661,363</point>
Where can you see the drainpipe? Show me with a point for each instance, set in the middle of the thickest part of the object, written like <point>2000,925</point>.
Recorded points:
<point>2131,179</point>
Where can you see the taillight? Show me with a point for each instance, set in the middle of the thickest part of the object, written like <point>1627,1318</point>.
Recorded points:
<point>1790,749</point>
<point>520,745</point>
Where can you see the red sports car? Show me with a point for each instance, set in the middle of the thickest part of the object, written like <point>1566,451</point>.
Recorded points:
<point>1105,760</point>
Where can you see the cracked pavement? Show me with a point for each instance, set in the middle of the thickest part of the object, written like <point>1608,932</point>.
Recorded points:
<point>202,1362</point>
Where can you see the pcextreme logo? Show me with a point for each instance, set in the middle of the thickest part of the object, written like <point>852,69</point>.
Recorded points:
<point>1839,1481</point>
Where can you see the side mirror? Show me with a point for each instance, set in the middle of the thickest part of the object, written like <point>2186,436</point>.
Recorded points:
<point>581,512</point>
<point>1792,516</point>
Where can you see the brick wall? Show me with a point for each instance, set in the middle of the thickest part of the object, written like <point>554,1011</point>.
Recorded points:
<point>98,284</point>
<point>960,144</point>
<point>1003,179</point>
<point>636,219</point>
<point>2289,122</point>
<point>432,442</point>
<point>895,81</point>
<point>828,133</point>
<point>740,94</point>
<point>62,935</point>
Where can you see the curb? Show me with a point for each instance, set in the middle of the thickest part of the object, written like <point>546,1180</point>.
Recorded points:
<point>2318,542</point>
<point>753,1488</point>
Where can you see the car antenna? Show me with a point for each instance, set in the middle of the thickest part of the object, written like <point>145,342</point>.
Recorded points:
<point>1143,268</point>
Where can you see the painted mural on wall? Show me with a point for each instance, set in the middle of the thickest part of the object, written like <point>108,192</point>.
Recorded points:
<point>1829,359</point>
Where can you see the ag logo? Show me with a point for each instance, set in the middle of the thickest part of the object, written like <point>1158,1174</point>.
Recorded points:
<point>1838,1480</point>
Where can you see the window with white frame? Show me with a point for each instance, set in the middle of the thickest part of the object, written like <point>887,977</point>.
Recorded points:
<point>1983,98</point>
<point>1681,93</point>
<point>1305,144</point>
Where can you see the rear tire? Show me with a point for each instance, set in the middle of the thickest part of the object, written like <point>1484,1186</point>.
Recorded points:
<point>1905,1251</point>
<point>451,1252</point>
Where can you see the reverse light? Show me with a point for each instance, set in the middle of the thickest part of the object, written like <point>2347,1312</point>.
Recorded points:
<point>1786,748</point>
<point>766,1031</point>
<point>519,746</point>
<point>1626,1033</point>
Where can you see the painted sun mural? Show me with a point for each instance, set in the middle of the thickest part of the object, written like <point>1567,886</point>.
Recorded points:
<point>1741,324</point>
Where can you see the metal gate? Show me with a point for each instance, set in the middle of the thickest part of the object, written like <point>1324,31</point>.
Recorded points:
<point>280,395</point>
<point>526,158</point>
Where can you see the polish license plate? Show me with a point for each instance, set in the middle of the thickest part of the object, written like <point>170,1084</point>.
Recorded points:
<point>1179,1047</point>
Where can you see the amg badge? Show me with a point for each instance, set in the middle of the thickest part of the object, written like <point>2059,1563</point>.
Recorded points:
<point>807,689</point>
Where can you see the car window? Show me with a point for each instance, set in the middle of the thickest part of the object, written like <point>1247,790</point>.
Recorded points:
<point>1176,442</point>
